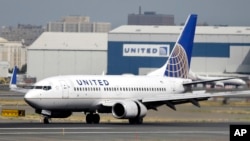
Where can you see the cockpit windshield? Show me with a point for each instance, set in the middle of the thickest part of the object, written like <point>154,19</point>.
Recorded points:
<point>42,87</point>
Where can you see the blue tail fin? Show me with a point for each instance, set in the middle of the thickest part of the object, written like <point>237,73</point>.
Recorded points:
<point>178,63</point>
<point>13,79</point>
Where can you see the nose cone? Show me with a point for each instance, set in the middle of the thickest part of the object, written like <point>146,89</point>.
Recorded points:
<point>30,98</point>
<point>28,95</point>
<point>243,82</point>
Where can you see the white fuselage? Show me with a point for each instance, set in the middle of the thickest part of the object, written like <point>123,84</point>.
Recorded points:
<point>235,81</point>
<point>84,93</point>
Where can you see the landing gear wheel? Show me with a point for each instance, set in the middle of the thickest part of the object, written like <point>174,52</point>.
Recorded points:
<point>92,118</point>
<point>135,120</point>
<point>46,120</point>
<point>96,118</point>
<point>89,118</point>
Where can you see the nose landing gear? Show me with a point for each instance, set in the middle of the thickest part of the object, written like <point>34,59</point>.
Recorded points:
<point>46,120</point>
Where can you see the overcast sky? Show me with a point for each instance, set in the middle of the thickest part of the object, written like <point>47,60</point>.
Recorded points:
<point>40,12</point>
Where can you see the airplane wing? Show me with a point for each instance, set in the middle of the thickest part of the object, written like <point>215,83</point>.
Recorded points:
<point>171,100</point>
<point>13,87</point>
<point>193,95</point>
<point>108,103</point>
<point>190,97</point>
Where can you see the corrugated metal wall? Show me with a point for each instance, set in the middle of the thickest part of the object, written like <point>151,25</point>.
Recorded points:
<point>212,53</point>
<point>45,63</point>
<point>56,53</point>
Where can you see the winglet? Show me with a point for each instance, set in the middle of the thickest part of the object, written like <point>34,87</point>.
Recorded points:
<point>178,63</point>
<point>13,79</point>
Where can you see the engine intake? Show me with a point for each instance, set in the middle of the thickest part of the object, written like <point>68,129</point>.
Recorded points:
<point>128,109</point>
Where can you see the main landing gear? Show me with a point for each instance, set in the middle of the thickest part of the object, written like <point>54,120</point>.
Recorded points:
<point>92,118</point>
<point>95,119</point>
<point>46,120</point>
<point>135,120</point>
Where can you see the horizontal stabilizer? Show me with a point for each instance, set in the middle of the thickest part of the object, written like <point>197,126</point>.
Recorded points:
<point>206,81</point>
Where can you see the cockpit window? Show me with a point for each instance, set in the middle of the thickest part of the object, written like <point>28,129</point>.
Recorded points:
<point>42,87</point>
<point>38,87</point>
<point>46,87</point>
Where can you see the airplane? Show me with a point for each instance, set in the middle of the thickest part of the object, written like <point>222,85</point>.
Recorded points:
<point>124,96</point>
<point>13,82</point>
<point>237,82</point>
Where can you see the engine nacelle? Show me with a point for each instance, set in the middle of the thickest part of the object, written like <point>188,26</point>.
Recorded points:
<point>54,114</point>
<point>219,84</point>
<point>128,109</point>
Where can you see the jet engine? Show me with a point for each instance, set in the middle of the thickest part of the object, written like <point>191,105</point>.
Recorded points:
<point>128,109</point>
<point>219,84</point>
<point>55,114</point>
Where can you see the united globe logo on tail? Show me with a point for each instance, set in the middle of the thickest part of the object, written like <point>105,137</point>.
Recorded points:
<point>179,60</point>
<point>177,65</point>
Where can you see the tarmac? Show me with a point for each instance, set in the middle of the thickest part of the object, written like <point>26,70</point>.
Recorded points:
<point>188,123</point>
<point>182,131</point>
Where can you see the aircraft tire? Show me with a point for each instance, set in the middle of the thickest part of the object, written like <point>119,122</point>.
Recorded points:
<point>96,118</point>
<point>92,118</point>
<point>46,120</point>
<point>89,118</point>
<point>135,120</point>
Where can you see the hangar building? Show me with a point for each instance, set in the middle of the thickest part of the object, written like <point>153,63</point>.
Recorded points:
<point>57,53</point>
<point>140,49</point>
<point>137,50</point>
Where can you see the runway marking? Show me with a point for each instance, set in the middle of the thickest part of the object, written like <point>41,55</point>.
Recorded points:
<point>64,131</point>
<point>57,128</point>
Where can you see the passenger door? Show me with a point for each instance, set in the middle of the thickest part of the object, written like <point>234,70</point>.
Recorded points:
<point>65,89</point>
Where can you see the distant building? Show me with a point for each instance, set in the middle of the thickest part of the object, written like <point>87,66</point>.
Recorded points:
<point>217,49</point>
<point>150,18</point>
<point>4,69</point>
<point>23,32</point>
<point>77,24</point>
<point>13,52</point>
<point>64,53</point>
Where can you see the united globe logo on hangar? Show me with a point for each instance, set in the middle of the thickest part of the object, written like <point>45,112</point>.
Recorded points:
<point>146,50</point>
